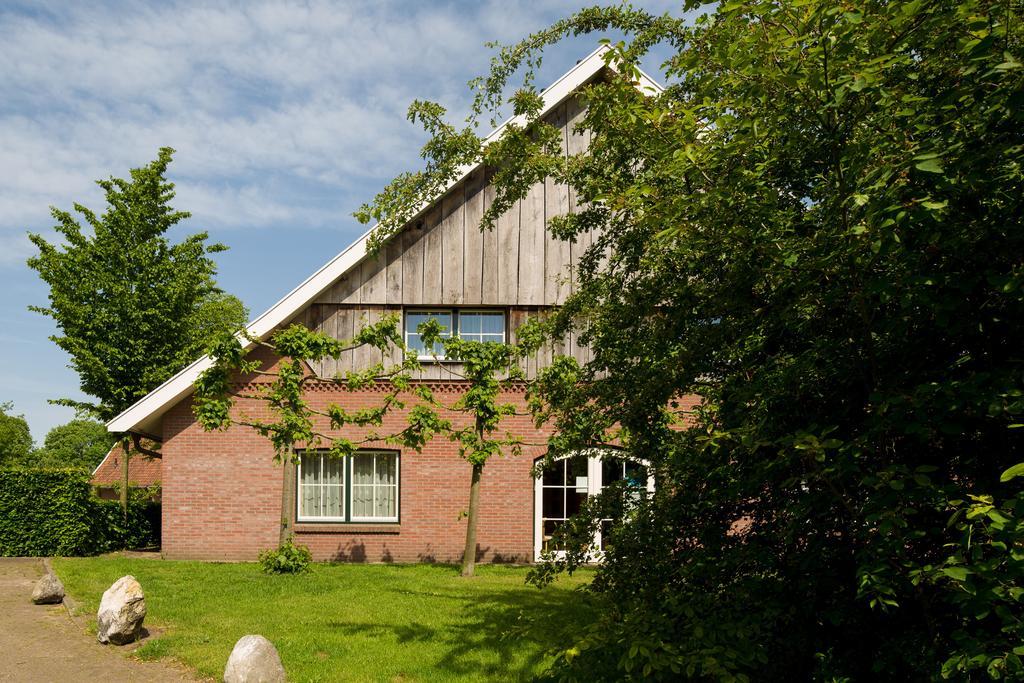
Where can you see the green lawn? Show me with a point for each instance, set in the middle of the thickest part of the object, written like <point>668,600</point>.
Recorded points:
<point>347,622</point>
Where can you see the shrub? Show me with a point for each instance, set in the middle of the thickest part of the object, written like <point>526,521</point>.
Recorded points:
<point>287,559</point>
<point>54,512</point>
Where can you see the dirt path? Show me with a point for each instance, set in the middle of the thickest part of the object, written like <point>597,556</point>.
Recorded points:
<point>41,642</point>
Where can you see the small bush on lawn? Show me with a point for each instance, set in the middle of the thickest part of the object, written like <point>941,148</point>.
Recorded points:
<point>287,559</point>
<point>54,512</point>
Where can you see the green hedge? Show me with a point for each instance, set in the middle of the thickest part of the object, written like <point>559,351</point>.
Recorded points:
<point>54,512</point>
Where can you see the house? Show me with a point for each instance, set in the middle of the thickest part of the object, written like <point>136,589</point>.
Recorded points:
<point>225,498</point>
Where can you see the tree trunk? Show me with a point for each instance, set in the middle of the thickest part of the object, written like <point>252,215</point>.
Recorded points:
<point>126,449</point>
<point>287,500</point>
<point>469,556</point>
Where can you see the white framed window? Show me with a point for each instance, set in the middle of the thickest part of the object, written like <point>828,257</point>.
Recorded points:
<point>359,488</point>
<point>561,490</point>
<point>413,319</point>
<point>374,487</point>
<point>482,326</point>
<point>474,325</point>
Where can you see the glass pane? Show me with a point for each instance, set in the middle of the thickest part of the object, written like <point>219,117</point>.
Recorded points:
<point>414,320</point>
<point>493,323</point>
<point>385,506</point>
<point>309,495</point>
<point>386,468</point>
<point>362,469</point>
<point>611,471</point>
<point>573,501</point>
<point>415,344</point>
<point>555,474</point>
<point>636,474</point>
<point>333,471</point>
<point>577,468</point>
<point>332,501</point>
<point>499,338</point>
<point>362,501</point>
<point>549,529</point>
<point>553,503</point>
<point>310,469</point>
<point>469,323</point>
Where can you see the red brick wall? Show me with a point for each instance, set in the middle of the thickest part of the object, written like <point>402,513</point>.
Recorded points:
<point>222,494</point>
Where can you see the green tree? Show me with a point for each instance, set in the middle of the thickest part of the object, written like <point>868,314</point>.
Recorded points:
<point>816,228</point>
<point>79,443</point>
<point>132,308</point>
<point>15,438</point>
<point>472,421</point>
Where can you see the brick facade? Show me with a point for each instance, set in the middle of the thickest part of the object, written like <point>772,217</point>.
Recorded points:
<point>222,493</point>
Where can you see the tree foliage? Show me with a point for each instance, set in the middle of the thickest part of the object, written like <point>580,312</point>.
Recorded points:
<point>817,228</point>
<point>78,443</point>
<point>15,437</point>
<point>131,307</point>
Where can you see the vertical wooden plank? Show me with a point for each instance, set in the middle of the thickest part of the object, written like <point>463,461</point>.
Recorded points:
<point>412,263</point>
<point>346,289</point>
<point>453,242</point>
<point>515,321</point>
<point>393,287</point>
<point>473,265</point>
<point>308,319</point>
<point>531,247</point>
<point>345,331</point>
<point>489,279</point>
<point>577,141</point>
<point>329,326</point>
<point>544,353</point>
<point>557,256</point>
<point>432,258</point>
<point>365,356</point>
<point>374,273</point>
<point>507,228</point>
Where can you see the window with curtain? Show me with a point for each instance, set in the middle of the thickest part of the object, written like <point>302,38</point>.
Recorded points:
<point>482,326</point>
<point>359,488</point>
<point>374,487</point>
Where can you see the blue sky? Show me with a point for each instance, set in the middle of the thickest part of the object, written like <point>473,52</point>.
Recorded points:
<point>286,116</point>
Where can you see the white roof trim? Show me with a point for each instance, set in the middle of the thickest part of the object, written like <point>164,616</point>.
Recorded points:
<point>153,404</point>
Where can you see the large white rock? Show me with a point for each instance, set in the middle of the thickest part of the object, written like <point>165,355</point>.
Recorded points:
<point>48,590</point>
<point>122,610</point>
<point>254,660</point>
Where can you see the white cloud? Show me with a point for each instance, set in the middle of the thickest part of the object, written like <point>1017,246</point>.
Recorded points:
<point>310,92</point>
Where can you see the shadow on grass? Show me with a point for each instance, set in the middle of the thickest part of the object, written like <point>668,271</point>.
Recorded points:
<point>507,635</point>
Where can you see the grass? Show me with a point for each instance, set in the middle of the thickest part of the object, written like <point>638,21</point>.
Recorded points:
<point>348,622</point>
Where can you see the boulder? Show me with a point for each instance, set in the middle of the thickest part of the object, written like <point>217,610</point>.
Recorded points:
<point>48,591</point>
<point>254,660</point>
<point>122,610</point>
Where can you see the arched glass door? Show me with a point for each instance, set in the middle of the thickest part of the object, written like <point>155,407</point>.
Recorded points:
<point>561,490</point>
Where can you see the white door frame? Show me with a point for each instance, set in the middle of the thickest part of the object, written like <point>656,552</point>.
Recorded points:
<point>594,486</point>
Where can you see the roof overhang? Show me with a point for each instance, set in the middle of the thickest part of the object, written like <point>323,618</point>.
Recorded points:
<point>144,416</point>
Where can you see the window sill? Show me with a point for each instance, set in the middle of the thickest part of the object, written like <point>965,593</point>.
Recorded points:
<point>346,528</point>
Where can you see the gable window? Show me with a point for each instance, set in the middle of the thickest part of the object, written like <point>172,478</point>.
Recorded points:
<point>481,326</point>
<point>359,488</point>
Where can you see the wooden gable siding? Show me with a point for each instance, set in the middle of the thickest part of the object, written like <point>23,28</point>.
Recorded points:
<point>444,259</point>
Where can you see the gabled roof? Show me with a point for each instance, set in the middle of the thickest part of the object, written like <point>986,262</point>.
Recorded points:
<point>143,417</point>
<point>142,470</point>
